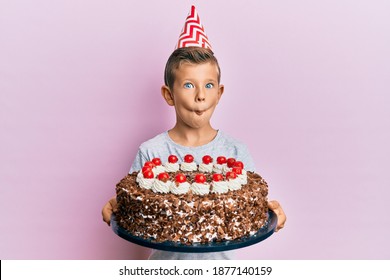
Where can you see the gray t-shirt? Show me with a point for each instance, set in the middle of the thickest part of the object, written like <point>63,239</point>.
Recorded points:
<point>162,146</point>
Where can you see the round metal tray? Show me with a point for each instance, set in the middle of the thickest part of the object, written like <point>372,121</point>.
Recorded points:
<point>266,231</point>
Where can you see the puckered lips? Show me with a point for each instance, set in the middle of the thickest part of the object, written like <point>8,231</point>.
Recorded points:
<point>200,111</point>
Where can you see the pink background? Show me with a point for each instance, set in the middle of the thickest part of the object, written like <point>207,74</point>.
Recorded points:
<point>307,88</point>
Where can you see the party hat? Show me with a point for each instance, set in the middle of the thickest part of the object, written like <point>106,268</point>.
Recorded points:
<point>193,34</point>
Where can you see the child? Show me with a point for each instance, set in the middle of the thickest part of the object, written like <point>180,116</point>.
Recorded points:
<point>192,86</point>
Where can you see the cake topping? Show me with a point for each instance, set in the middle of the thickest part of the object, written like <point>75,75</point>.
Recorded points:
<point>149,164</point>
<point>156,161</point>
<point>237,170</point>
<point>219,185</point>
<point>188,164</point>
<point>206,165</point>
<point>238,164</point>
<point>163,184</point>
<point>148,174</point>
<point>180,178</point>
<point>180,186</point>
<point>158,168</point>
<point>172,165</point>
<point>146,168</point>
<point>207,159</point>
<point>163,177</point>
<point>234,183</point>
<point>230,162</point>
<point>188,158</point>
<point>221,160</point>
<point>231,175</point>
<point>147,179</point>
<point>238,167</point>
<point>200,186</point>
<point>172,159</point>
<point>226,174</point>
<point>200,178</point>
<point>220,166</point>
<point>217,177</point>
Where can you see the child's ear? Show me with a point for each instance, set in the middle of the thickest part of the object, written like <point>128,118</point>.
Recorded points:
<point>220,91</point>
<point>168,96</point>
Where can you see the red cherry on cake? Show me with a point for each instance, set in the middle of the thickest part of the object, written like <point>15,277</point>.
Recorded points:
<point>180,178</point>
<point>156,161</point>
<point>221,160</point>
<point>172,159</point>
<point>231,175</point>
<point>207,159</point>
<point>163,176</point>
<point>237,170</point>
<point>188,158</point>
<point>148,174</point>
<point>230,162</point>
<point>238,164</point>
<point>149,164</point>
<point>146,168</point>
<point>200,178</point>
<point>217,177</point>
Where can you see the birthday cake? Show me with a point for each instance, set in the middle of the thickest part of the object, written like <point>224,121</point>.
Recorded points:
<point>190,203</point>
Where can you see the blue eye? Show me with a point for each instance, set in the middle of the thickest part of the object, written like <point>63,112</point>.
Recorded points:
<point>209,85</point>
<point>188,85</point>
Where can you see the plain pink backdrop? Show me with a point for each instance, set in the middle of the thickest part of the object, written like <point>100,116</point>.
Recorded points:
<point>307,86</point>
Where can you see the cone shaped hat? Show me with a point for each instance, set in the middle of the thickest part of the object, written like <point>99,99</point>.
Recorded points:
<point>193,34</point>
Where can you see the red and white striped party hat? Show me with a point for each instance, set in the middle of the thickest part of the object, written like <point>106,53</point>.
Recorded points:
<point>193,34</point>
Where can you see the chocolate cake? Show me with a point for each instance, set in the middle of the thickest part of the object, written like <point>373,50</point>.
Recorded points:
<point>208,208</point>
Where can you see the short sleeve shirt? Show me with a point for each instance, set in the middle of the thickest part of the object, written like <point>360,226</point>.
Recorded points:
<point>161,146</point>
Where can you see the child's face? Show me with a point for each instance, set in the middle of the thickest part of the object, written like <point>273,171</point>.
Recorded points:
<point>195,93</point>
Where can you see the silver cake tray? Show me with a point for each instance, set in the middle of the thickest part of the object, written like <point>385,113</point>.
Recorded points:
<point>266,231</point>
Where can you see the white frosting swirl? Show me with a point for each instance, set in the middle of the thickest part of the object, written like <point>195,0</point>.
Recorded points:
<point>161,187</point>
<point>188,166</point>
<point>182,188</point>
<point>140,176</point>
<point>220,187</point>
<point>200,188</point>
<point>226,169</point>
<point>243,178</point>
<point>207,168</point>
<point>244,172</point>
<point>218,168</point>
<point>171,167</point>
<point>158,169</point>
<point>234,184</point>
<point>146,183</point>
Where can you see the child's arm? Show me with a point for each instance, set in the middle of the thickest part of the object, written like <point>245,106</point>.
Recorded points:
<point>109,208</point>
<point>275,206</point>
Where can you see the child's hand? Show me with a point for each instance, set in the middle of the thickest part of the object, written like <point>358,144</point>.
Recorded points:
<point>109,208</point>
<point>275,206</point>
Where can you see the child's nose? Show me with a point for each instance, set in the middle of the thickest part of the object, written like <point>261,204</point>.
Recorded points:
<point>200,96</point>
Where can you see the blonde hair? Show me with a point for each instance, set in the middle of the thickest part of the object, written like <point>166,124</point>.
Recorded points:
<point>194,55</point>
